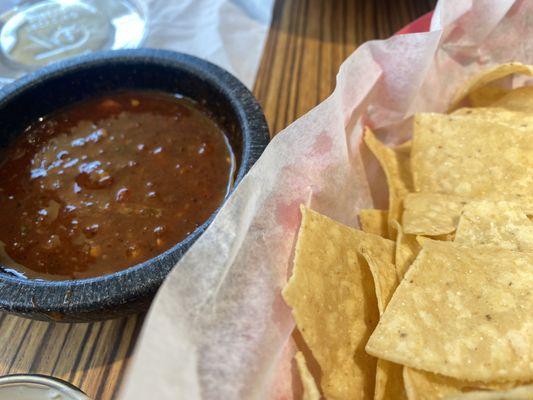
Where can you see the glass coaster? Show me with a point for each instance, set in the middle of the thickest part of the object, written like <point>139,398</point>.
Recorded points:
<point>36,33</point>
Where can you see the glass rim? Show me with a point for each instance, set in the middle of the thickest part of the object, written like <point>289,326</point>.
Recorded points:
<point>50,382</point>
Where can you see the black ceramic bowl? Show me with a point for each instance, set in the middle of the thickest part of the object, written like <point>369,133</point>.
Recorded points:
<point>48,89</point>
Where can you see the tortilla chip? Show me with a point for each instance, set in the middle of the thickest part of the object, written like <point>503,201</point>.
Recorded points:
<point>465,156</point>
<point>515,119</point>
<point>396,163</point>
<point>374,221</point>
<point>389,381</point>
<point>486,96</point>
<point>405,146</point>
<point>311,391</point>
<point>437,215</point>
<point>383,272</point>
<point>488,76</point>
<point>332,295</point>
<point>431,214</point>
<point>519,393</point>
<point>495,223</point>
<point>520,99</point>
<point>462,312</point>
<point>407,248</point>
<point>447,237</point>
<point>422,385</point>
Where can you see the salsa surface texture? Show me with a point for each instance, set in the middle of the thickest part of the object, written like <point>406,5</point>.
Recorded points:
<point>107,183</point>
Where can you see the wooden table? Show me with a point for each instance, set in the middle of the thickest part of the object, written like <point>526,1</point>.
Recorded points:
<point>308,41</point>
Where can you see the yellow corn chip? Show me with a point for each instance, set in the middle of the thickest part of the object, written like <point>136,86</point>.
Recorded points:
<point>404,147</point>
<point>310,361</point>
<point>462,312</point>
<point>434,214</point>
<point>448,237</point>
<point>422,385</point>
<point>488,76</point>
<point>495,223</point>
<point>431,214</point>
<point>334,304</point>
<point>311,391</point>
<point>486,96</point>
<point>459,155</point>
<point>519,393</point>
<point>515,119</point>
<point>374,221</point>
<point>520,99</point>
<point>383,273</point>
<point>407,248</point>
<point>389,381</point>
<point>396,163</point>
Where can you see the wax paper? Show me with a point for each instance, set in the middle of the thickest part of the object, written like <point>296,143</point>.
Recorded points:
<point>218,328</point>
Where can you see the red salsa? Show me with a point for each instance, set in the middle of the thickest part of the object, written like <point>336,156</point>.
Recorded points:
<point>107,183</point>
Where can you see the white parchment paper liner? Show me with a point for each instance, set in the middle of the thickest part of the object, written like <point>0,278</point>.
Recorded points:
<point>218,328</point>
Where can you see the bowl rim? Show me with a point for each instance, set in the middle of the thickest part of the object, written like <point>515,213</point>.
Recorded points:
<point>81,296</point>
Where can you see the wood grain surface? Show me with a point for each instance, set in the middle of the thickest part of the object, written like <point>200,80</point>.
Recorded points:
<point>308,41</point>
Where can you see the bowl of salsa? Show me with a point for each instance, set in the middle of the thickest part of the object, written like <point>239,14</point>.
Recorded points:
<point>111,166</point>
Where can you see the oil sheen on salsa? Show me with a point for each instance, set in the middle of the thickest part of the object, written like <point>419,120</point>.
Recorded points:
<point>107,183</point>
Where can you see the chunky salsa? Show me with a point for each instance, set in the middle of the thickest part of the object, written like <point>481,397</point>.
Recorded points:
<point>107,183</point>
